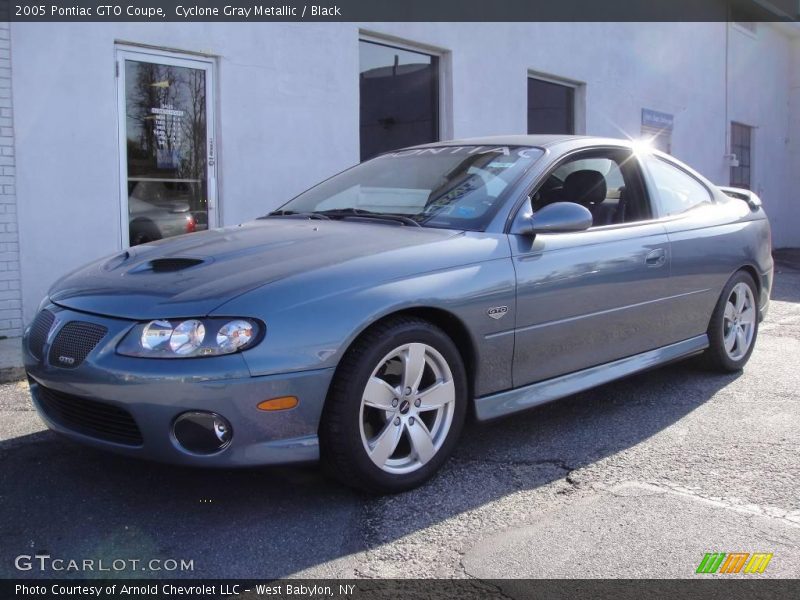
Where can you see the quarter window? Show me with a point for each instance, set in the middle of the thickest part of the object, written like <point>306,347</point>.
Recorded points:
<point>399,98</point>
<point>677,190</point>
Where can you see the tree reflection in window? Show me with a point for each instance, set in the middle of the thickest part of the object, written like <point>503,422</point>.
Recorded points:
<point>166,149</point>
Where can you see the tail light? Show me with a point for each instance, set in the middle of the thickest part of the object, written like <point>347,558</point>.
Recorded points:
<point>191,224</point>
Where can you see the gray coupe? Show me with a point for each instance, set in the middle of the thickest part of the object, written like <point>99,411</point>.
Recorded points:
<point>361,322</point>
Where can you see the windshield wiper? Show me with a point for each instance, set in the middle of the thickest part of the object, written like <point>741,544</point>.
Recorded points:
<point>292,213</point>
<point>357,212</point>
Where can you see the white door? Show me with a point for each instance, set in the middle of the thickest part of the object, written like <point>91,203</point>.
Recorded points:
<point>167,150</point>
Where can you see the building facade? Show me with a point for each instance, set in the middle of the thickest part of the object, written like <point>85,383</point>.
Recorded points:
<point>118,133</point>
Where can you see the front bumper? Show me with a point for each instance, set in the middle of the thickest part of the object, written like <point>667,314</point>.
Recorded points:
<point>156,391</point>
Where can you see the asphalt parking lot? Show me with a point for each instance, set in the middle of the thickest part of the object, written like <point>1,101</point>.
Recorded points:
<point>639,478</point>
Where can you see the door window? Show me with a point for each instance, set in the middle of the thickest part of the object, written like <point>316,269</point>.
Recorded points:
<point>608,183</point>
<point>166,164</point>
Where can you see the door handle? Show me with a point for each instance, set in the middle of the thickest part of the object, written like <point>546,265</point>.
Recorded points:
<point>656,258</point>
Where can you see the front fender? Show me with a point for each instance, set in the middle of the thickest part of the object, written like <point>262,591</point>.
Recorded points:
<point>312,320</point>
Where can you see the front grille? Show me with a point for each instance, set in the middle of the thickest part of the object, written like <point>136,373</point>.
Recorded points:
<point>74,342</point>
<point>90,417</point>
<point>39,329</point>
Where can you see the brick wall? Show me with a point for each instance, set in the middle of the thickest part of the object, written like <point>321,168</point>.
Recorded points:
<point>10,293</point>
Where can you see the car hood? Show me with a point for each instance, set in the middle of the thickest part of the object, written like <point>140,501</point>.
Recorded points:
<point>192,275</point>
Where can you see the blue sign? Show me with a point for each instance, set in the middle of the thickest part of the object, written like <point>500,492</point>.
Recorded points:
<point>657,120</point>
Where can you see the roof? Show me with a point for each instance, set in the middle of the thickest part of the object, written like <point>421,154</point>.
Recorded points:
<point>524,140</point>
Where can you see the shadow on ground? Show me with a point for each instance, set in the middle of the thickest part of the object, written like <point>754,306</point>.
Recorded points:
<point>787,260</point>
<point>70,501</point>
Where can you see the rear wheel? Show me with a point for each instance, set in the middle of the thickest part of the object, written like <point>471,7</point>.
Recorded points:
<point>733,328</point>
<point>143,231</point>
<point>396,407</point>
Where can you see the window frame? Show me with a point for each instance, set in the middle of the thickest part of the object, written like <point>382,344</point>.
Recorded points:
<point>179,58</point>
<point>643,176</point>
<point>444,117</point>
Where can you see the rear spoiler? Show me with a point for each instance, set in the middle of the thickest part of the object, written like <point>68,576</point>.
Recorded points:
<point>753,201</point>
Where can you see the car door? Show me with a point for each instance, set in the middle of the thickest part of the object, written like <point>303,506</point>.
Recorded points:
<point>706,243</point>
<point>590,297</point>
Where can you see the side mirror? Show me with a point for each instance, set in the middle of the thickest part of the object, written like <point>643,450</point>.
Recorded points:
<point>555,218</point>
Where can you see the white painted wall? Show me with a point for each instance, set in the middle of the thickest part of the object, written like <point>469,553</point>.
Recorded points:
<point>789,208</point>
<point>760,70</point>
<point>288,108</point>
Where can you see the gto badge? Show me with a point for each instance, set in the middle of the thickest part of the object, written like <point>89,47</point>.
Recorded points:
<point>497,312</point>
<point>67,360</point>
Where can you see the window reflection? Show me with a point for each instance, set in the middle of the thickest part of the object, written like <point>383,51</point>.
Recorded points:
<point>166,149</point>
<point>399,103</point>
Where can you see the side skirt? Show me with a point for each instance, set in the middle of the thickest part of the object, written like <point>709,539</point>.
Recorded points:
<point>505,403</point>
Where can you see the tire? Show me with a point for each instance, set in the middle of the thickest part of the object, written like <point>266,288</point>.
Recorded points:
<point>142,232</point>
<point>368,410</point>
<point>728,351</point>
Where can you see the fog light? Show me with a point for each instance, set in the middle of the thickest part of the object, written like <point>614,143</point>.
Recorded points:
<point>202,432</point>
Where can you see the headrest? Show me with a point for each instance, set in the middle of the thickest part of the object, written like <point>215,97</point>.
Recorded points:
<point>585,187</point>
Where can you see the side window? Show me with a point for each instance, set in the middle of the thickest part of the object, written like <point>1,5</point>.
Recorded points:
<point>677,191</point>
<point>608,183</point>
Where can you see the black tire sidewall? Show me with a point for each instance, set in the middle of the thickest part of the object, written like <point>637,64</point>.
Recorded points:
<point>347,394</point>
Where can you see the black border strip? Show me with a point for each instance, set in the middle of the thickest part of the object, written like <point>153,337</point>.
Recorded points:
<point>401,10</point>
<point>733,587</point>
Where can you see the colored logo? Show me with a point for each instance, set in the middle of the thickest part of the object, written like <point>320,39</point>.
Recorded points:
<point>734,562</point>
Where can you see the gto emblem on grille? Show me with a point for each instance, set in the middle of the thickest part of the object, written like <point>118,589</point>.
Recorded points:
<point>67,360</point>
<point>497,312</point>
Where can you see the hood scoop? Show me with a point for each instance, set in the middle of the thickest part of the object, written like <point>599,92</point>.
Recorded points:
<point>170,265</point>
<point>116,261</point>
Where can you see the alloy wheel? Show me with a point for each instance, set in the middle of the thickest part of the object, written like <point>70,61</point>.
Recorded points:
<point>739,321</point>
<point>407,408</point>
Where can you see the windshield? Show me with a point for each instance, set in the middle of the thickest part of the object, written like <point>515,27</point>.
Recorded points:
<point>454,187</point>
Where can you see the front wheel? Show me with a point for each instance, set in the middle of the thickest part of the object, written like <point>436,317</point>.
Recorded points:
<point>733,328</point>
<point>396,407</point>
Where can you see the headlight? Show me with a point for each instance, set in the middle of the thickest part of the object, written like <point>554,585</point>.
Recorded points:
<point>234,335</point>
<point>187,338</point>
<point>156,334</point>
